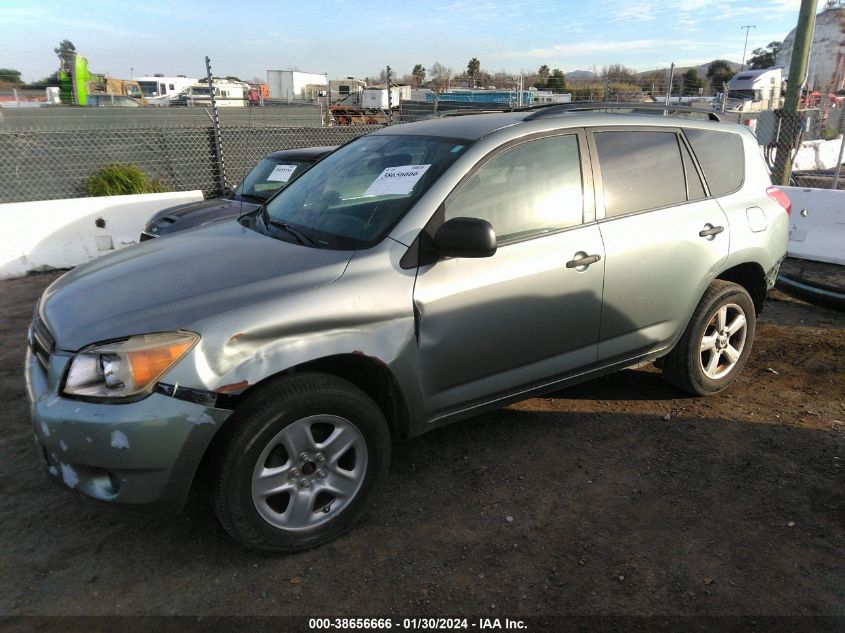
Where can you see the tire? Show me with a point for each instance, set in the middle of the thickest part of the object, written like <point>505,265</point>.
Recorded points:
<point>303,460</point>
<point>706,361</point>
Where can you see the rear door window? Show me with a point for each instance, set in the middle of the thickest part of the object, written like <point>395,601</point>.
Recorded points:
<point>640,170</point>
<point>721,157</point>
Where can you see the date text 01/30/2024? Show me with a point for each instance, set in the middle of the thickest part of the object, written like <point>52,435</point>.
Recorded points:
<point>351,624</point>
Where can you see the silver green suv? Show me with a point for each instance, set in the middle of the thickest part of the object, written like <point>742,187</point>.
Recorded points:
<point>417,276</point>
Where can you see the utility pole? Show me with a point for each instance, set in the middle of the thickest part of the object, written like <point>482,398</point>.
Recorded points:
<point>747,28</point>
<point>789,122</point>
<point>671,77</point>
<point>389,98</point>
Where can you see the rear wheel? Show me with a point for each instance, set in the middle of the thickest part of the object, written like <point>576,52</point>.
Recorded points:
<point>716,343</point>
<point>302,464</point>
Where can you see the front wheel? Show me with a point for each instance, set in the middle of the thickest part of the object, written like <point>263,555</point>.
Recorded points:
<point>303,462</point>
<point>716,343</point>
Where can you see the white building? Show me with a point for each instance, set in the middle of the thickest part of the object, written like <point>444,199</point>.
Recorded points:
<point>293,85</point>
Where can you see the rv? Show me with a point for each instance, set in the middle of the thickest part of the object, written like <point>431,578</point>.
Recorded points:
<point>159,89</point>
<point>227,93</point>
<point>755,90</point>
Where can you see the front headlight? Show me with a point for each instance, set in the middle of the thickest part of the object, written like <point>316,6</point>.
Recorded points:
<point>126,368</point>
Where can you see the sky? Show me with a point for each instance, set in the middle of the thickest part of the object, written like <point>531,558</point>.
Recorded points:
<point>343,38</point>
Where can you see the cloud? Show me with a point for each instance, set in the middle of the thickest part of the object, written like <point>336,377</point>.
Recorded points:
<point>592,47</point>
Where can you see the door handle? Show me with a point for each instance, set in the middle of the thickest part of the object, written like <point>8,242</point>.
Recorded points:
<point>713,230</point>
<point>583,261</point>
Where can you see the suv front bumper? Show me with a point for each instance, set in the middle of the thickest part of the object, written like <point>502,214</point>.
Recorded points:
<point>140,454</point>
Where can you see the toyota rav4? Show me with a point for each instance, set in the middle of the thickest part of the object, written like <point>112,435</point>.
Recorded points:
<point>414,277</point>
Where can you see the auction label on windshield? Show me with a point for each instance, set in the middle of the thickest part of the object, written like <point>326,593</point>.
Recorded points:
<point>281,173</point>
<point>396,180</point>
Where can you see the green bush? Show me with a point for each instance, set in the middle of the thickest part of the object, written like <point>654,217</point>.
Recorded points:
<point>120,179</point>
<point>830,133</point>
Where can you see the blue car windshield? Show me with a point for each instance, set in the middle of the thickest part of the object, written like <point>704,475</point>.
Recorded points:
<point>353,197</point>
<point>270,176</point>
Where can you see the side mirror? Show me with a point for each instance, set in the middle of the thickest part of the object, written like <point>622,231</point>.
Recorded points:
<point>465,237</point>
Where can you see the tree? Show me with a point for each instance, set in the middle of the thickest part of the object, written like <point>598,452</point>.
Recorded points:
<point>440,75</point>
<point>418,73</point>
<point>764,57</point>
<point>557,81</point>
<point>65,52</point>
<point>10,76</point>
<point>618,73</point>
<point>473,66</point>
<point>543,71</point>
<point>231,78</point>
<point>691,82</point>
<point>719,73</point>
<point>49,80</point>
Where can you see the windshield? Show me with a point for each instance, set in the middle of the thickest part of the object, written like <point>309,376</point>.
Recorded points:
<point>149,88</point>
<point>741,94</point>
<point>354,196</point>
<point>271,175</point>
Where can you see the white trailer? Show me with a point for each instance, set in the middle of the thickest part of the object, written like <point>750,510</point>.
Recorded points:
<point>755,90</point>
<point>346,91</point>
<point>541,96</point>
<point>292,85</point>
<point>377,97</point>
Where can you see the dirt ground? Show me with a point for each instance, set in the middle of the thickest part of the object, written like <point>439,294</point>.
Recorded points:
<point>619,496</point>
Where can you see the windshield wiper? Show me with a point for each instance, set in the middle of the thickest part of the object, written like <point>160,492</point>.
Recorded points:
<point>258,199</point>
<point>300,237</point>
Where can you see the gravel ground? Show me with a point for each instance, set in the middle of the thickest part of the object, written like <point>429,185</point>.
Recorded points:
<point>619,496</point>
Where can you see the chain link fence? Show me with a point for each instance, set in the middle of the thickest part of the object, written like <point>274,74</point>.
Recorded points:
<point>44,164</point>
<point>50,153</point>
<point>807,145</point>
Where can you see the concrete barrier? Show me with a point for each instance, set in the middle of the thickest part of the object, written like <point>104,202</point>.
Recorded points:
<point>43,235</point>
<point>817,224</point>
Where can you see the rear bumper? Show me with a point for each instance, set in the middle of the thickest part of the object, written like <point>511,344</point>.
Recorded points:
<point>140,454</point>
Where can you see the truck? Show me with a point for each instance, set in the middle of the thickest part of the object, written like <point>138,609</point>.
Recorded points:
<point>755,90</point>
<point>77,82</point>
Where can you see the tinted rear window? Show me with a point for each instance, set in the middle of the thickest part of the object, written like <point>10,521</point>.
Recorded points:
<point>721,158</point>
<point>640,170</point>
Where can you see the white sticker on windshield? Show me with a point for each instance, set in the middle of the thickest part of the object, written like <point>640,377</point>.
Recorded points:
<point>281,173</point>
<point>396,180</point>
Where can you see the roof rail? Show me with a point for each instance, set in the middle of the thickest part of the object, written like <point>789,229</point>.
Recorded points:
<point>556,109</point>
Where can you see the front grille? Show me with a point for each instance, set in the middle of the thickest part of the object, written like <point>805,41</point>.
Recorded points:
<point>41,342</point>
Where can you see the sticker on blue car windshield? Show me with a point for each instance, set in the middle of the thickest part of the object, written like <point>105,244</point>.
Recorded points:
<point>281,173</point>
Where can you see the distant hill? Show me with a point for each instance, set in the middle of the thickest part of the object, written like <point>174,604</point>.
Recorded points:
<point>580,74</point>
<point>583,75</point>
<point>701,69</point>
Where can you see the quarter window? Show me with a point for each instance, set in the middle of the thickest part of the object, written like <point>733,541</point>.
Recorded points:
<point>721,157</point>
<point>528,190</point>
<point>640,170</point>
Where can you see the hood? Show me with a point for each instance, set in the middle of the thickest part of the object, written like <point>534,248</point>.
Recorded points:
<point>164,285</point>
<point>196,213</point>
